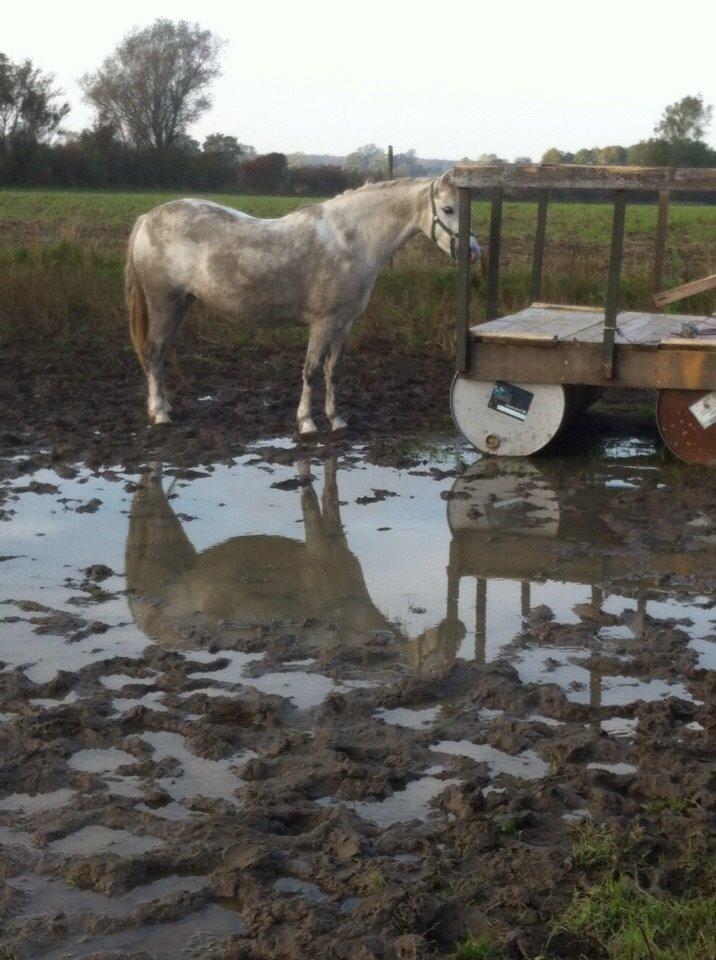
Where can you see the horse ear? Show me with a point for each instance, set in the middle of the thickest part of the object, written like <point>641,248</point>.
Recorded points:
<point>446,178</point>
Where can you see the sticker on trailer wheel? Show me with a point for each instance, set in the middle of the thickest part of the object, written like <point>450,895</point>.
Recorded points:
<point>511,400</point>
<point>704,410</point>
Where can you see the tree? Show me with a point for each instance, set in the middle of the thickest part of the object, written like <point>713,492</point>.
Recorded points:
<point>370,160</point>
<point>154,83</point>
<point>490,160</point>
<point>267,173</point>
<point>686,119</point>
<point>611,156</point>
<point>29,109</point>
<point>553,155</point>
<point>224,145</point>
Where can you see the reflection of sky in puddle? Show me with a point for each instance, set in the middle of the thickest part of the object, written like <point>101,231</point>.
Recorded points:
<point>190,936</point>
<point>98,839</point>
<point>526,764</point>
<point>50,895</point>
<point>405,717</point>
<point>39,802</point>
<point>413,802</point>
<point>397,590</point>
<point>199,776</point>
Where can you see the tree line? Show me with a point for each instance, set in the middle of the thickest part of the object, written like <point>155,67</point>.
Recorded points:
<point>156,83</point>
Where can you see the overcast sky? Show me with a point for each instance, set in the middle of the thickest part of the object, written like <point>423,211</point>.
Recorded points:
<point>450,79</point>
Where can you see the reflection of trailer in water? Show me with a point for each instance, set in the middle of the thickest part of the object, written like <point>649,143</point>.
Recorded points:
<point>521,377</point>
<point>507,523</point>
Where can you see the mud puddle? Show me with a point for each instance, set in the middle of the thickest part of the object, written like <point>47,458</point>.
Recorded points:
<point>246,705</point>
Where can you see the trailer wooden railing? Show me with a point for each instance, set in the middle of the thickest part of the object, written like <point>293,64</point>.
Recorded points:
<point>618,182</point>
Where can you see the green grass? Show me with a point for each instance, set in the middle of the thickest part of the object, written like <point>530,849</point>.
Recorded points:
<point>476,948</point>
<point>622,919</point>
<point>567,222</point>
<point>632,924</point>
<point>593,846</point>
<point>62,253</point>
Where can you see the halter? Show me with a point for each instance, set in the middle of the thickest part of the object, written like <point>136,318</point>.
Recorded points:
<point>437,222</point>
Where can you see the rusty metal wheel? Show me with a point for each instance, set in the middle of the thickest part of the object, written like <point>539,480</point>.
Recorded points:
<point>687,424</point>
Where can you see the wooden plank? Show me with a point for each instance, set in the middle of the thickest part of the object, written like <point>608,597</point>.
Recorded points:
<point>665,297</point>
<point>580,363</point>
<point>615,270</point>
<point>642,329</point>
<point>548,328</point>
<point>567,306</point>
<point>697,343</point>
<point>462,320</point>
<point>524,336</point>
<point>657,275</point>
<point>537,320</point>
<point>538,251</point>
<point>575,177</point>
<point>493,267</point>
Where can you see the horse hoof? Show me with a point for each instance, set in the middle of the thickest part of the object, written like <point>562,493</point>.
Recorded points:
<point>307,430</point>
<point>338,425</point>
<point>161,418</point>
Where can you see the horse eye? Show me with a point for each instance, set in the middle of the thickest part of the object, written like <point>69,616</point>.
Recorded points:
<point>448,210</point>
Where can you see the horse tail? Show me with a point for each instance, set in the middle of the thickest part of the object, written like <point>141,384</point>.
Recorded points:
<point>136,306</point>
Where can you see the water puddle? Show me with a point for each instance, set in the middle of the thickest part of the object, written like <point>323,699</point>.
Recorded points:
<point>99,839</point>
<point>192,937</point>
<point>413,802</point>
<point>412,719</point>
<point>300,888</point>
<point>199,776</point>
<point>39,802</point>
<point>100,760</point>
<point>526,764</point>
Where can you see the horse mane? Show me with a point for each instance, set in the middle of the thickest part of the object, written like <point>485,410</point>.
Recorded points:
<point>372,185</point>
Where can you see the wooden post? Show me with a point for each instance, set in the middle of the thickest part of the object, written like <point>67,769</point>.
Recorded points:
<point>481,620</point>
<point>462,328</point>
<point>657,276</point>
<point>538,255</point>
<point>525,598</point>
<point>615,269</point>
<point>493,273</point>
<point>390,177</point>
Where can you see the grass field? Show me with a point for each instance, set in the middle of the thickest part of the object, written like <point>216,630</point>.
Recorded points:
<point>61,259</point>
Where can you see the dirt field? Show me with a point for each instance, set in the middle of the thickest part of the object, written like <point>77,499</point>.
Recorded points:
<point>228,736</point>
<point>365,699</point>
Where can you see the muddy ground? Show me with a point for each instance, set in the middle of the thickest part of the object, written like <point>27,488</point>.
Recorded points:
<point>208,761</point>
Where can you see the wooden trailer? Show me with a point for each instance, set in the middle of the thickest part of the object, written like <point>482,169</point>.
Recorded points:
<point>519,378</point>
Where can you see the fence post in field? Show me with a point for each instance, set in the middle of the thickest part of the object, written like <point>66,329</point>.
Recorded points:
<point>390,177</point>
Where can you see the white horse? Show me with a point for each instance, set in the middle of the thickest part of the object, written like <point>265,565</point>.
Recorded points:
<point>316,265</point>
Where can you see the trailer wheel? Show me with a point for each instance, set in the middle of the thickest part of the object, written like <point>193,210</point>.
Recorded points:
<point>508,419</point>
<point>687,424</point>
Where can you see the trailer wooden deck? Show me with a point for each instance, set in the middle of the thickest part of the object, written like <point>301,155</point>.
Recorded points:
<point>551,343</point>
<point>518,377</point>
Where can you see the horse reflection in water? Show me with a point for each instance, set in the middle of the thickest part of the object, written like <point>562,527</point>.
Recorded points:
<point>180,596</point>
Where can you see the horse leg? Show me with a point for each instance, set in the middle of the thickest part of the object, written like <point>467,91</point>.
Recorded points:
<point>318,343</point>
<point>332,369</point>
<point>164,321</point>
